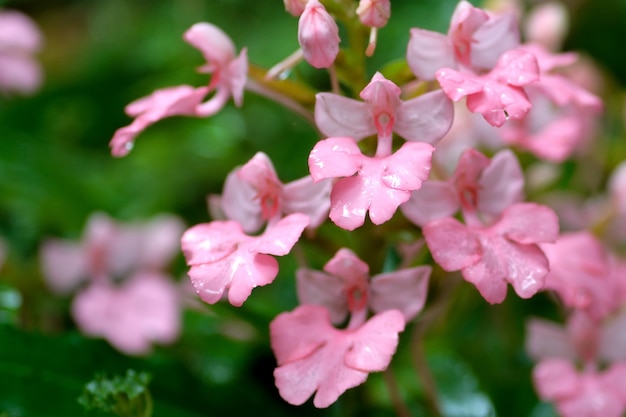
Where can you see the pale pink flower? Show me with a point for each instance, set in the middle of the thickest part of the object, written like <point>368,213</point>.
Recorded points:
<point>426,118</point>
<point>295,7</point>
<point>20,40</point>
<point>222,258</point>
<point>318,35</point>
<point>253,195</point>
<point>581,274</point>
<point>345,287</point>
<point>474,42</point>
<point>374,13</point>
<point>229,74</point>
<point>497,95</point>
<point>380,185</point>
<point>504,252</point>
<point>314,357</point>
<point>132,316</point>
<point>582,394</point>
<point>478,186</point>
<point>547,24</point>
<point>109,250</point>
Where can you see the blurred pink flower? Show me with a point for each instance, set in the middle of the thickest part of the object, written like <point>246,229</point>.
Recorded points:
<point>474,42</point>
<point>223,258</point>
<point>20,40</point>
<point>314,357</point>
<point>144,310</point>
<point>374,13</point>
<point>582,394</point>
<point>504,252</point>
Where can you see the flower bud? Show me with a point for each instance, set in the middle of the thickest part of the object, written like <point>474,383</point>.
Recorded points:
<point>318,35</point>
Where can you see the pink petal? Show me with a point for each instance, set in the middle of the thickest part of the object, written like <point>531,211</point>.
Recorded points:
<point>434,200</point>
<point>374,13</point>
<point>529,223</point>
<point>19,33</point>
<point>408,167</point>
<point>318,288</point>
<point>19,73</point>
<point>426,118</point>
<point>337,115</point>
<point>501,184</point>
<point>555,378</point>
<point>452,245</point>
<point>457,84</point>
<point>307,197</point>
<point>335,157</point>
<point>211,242</point>
<point>214,44</point>
<point>64,265</point>
<point>238,203</point>
<point>546,340</point>
<point>428,52</point>
<point>496,36</point>
<point>280,237</point>
<point>404,290</point>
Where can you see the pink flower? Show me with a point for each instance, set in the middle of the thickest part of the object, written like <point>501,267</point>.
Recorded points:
<point>222,258</point>
<point>253,195</point>
<point>143,310</point>
<point>318,35</point>
<point>478,186</point>
<point>497,95</point>
<point>20,39</point>
<point>380,185</point>
<point>374,13</point>
<point>228,79</point>
<point>345,286</point>
<point>582,394</point>
<point>423,119</point>
<point>314,357</point>
<point>109,250</point>
<point>295,7</point>
<point>503,252</point>
<point>474,42</point>
<point>181,100</point>
<point>581,274</point>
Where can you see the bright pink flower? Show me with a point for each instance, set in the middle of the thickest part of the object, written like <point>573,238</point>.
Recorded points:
<point>181,100</point>
<point>474,42</point>
<point>380,185</point>
<point>345,287</point>
<point>497,95</point>
<point>110,250</point>
<point>374,13</point>
<point>133,316</point>
<point>20,39</point>
<point>478,185</point>
<point>503,252</point>
<point>318,35</point>
<point>586,394</point>
<point>314,357</point>
<point>253,195</point>
<point>423,119</point>
<point>580,273</point>
<point>229,73</point>
<point>223,258</point>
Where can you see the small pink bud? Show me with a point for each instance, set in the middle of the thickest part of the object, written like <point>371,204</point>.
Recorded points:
<point>295,7</point>
<point>318,35</point>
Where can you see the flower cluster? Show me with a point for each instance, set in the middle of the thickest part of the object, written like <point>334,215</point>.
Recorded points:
<point>399,142</point>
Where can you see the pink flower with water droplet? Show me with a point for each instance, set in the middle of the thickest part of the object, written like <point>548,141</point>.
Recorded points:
<point>380,185</point>
<point>253,195</point>
<point>478,185</point>
<point>426,118</point>
<point>229,73</point>
<point>316,358</point>
<point>222,258</point>
<point>345,287</point>
<point>318,35</point>
<point>474,42</point>
<point>497,95</point>
<point>20,40</point>
<point>505,251</point>
<point>142,311</point>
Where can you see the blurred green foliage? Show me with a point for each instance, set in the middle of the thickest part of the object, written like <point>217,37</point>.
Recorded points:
<point>55,169</point>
